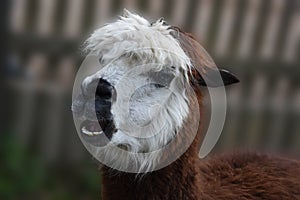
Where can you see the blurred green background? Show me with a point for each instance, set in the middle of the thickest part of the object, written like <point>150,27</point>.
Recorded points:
<point>42,156</point>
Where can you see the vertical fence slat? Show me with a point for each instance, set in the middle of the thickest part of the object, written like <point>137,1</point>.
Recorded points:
<point>74,16</point>
<point>235,107</point>
<point>248,28</point>
<point>24,115</point>
<point>156,8</point>
<point>279,105</point>
<point>273,24</point>
<point>38,68</point>
<point>131,5</point>
<point>295,140</point>
<point>256,104</point>
<point>179,12</point>
<point>51,138</point>
<point>202,21</point>
<point>46,21</point>
<point>66,66</point>
<point>293,38</point>
<point>226,27</point>
<point>102,12</point>
<point>28,97</point>
<point>17,15</point>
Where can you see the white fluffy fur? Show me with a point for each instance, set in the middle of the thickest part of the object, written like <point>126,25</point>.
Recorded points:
<point>132,33</point>
<point>134,47</point>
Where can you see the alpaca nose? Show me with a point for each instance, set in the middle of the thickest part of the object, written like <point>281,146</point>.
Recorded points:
<point>103,100</point>
<point>95,97</point>
<point>104,90</point>
<point>92,109</point>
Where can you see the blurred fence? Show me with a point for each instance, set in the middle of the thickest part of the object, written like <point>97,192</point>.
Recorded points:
<point>257,39</point>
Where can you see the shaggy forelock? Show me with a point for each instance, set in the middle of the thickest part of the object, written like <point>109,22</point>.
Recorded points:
<point>132,34</point>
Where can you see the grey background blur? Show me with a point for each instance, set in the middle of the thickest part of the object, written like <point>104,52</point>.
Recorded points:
<point>41,154</point>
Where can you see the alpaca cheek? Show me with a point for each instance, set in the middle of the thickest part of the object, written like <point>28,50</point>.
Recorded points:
<point>122,140</point>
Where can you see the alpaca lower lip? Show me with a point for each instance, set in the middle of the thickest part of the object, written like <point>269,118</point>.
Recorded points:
<point>91,128</point>
<point>90,133</point>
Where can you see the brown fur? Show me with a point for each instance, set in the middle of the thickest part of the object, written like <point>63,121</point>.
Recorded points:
<point>233,176</point>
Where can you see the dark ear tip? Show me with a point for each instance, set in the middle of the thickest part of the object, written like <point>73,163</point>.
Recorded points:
<point>228,77</point>
<point>234,79</point>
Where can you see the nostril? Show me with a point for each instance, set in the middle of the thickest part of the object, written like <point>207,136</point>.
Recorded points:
<point>104,90</point>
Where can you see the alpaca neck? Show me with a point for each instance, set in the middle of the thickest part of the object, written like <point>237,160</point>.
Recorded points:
<point>180,180</point>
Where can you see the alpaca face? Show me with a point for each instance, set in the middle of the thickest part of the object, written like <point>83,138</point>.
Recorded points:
<point>131,110</point>
<point>136,111</point>
<point>134,105</point>
<point>139,105</point>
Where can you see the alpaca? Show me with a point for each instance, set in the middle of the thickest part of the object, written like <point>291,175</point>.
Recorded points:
<point>130,134</point>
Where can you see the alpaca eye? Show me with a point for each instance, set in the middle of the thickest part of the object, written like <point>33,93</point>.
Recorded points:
<point>162,78</point>
<point>157,85</point>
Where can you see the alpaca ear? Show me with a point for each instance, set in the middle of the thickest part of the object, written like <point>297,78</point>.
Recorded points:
<point>211,80</point>
<point>202,62</point>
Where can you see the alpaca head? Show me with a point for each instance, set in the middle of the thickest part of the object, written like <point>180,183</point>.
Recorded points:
<point>139,98</point>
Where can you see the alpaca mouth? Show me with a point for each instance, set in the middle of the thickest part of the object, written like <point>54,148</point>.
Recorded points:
<point>93,132</point>
<point>91,128</point>
<point>97,133</point>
